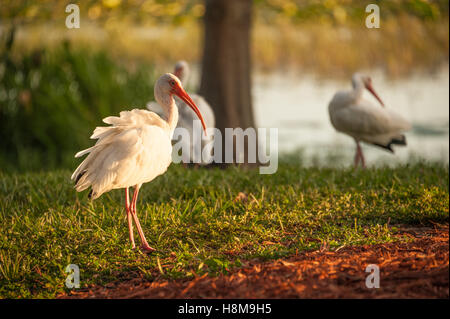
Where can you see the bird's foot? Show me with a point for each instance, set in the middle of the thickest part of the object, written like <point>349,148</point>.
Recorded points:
<point>147,249</point>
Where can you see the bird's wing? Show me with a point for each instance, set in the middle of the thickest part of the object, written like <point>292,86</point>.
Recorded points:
<point>155,107</point>
<point>205,109</point>
<point>368,119</point>
<point>186,120</point>
<point>136,117</point>
<point>133,150</point>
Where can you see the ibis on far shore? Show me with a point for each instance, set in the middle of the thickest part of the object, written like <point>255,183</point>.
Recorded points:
<point>351,114</point>
<point>134,149</point>
<point>187,118</point>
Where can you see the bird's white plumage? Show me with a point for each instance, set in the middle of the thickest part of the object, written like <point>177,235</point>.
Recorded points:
<point>351,114</point>
<point>133,150</point>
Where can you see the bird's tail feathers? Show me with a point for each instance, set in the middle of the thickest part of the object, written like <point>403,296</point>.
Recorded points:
<point>399,140</point>
<point>396,140</point>
<point>83,182</point>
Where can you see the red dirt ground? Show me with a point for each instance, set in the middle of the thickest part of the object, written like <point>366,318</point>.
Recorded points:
<point>418,269</point>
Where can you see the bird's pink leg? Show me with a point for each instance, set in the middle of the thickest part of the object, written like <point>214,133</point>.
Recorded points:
<point>145,246</point>
<point>360,155</point>
<point>357,153</point>
<point>356,161</point>
<point>363,161</point>
<point>129,218</point>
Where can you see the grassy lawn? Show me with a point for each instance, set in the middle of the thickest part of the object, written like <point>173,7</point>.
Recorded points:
<point>192,218</point>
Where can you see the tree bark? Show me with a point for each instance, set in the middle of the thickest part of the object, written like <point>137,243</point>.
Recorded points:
<point>225,80</point>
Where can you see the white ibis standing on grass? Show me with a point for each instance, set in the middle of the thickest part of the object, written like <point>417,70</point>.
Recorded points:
<point>134,150</point>
<point>364,121</point>
<point>187,118</point>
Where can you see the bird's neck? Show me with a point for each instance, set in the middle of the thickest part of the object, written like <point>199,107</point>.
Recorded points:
<point>167,103</point>
<point>358,90</point>
<point>184,76</point>
<point>172,116</point>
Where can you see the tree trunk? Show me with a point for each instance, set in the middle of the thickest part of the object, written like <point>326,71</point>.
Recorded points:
<point>225,81</point>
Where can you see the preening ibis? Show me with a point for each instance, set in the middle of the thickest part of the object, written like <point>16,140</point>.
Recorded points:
<point>351,114</point>
<point>187,118</point>
<point>133,150</point>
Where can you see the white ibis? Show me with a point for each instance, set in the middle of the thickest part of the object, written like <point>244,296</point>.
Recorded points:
<point>364,121</point>
<point>187,118</point>
<point>134,150</point>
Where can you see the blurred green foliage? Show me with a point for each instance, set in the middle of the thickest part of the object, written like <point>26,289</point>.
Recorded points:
<point>50,102</point>
<point>341,11</point>
<point>181,11</point>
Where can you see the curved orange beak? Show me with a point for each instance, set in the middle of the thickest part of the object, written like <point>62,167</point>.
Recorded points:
<point>181,93</point>
<point>371,90</point>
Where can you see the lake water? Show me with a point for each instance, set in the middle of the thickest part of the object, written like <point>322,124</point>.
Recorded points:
<point>298,107</point>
